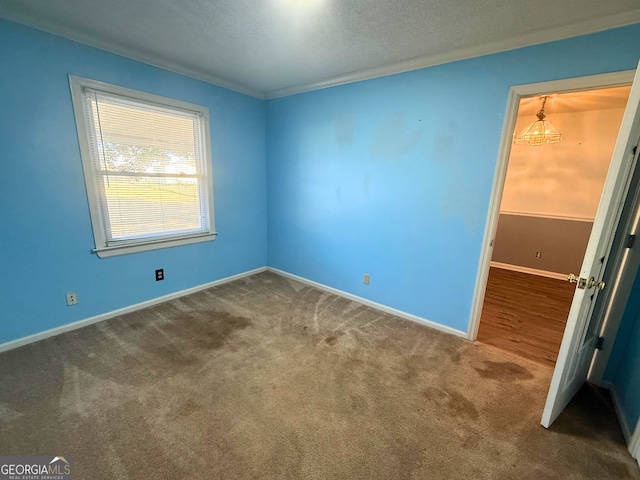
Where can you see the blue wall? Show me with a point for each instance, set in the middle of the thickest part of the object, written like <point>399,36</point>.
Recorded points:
<point>624,363</point>
<point>392,176</point>
<point>46,235</point>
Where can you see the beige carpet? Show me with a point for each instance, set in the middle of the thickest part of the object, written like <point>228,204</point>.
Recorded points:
<point>267,378</point>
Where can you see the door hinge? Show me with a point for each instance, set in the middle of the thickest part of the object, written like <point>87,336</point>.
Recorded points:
<point>631,241</point>
<point>599,343</point>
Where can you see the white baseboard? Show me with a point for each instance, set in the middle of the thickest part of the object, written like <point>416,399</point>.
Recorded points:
<point>372,304</point>
<point>626,431</point>
<point>634,445</point>
<point>631,437</point>
<point>547,216</point>
<point>606,384</point>
<point>532,271</point>
<point>121,311</point>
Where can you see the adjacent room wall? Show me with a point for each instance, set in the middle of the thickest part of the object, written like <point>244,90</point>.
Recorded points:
<point>551,192</point>
<point>392,176</point>
<point>46,234</point>
<point>561,243</point>
<point>562,180</point>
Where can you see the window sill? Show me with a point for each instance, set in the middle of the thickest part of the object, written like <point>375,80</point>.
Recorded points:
<point>106,252</point>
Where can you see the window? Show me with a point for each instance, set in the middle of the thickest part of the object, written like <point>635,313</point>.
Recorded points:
<point>147,168</point>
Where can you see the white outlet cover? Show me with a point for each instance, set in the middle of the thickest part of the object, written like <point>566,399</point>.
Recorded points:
<point>72,298</point>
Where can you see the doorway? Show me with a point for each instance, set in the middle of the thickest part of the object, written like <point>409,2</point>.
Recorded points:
<point>548,203</point>
<point>580,335</point>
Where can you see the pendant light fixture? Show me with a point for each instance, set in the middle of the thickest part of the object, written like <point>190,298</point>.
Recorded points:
<point>539,132</point>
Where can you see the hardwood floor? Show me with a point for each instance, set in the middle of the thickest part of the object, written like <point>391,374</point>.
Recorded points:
<point>525,314</point>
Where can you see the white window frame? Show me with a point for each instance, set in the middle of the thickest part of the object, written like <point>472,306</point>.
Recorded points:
<point>102,248</point>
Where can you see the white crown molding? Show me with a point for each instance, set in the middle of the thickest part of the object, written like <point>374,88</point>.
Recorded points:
<point>124,51</point>
<point>416,63</point>
<point>36,337</point>
<point>533,38</point>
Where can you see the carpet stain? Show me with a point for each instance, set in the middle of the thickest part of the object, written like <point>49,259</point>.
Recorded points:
<point>503,371</point>
<point>333,339</point>
<point>358,403</point>
<point>154,350</point>
<point>173,355</point>
<point>460,406</point>
<point>209,329</point>
<point>412,367</point>
<point>454,355</point>
<point>453,402</point>
<point>188,408</point>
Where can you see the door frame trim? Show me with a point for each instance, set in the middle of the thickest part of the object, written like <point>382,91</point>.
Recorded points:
<point>516,93</point>
<point>621,281</point>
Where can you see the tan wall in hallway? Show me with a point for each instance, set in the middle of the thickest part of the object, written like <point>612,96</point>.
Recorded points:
<point>563,179</point>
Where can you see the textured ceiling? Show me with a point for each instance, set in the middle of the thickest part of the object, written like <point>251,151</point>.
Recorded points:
<point>269,48</point>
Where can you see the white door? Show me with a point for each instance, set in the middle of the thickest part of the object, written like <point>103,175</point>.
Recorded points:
<point>580,335</point>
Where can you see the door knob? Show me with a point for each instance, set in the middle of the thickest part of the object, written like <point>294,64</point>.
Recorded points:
<point>593,283</point>
<point>582,282</point>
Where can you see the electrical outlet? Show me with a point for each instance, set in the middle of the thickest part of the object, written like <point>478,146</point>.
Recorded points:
<point>366,279</point>
<point>159,274</point>
<point>72,298</point>
<point>538,254</point>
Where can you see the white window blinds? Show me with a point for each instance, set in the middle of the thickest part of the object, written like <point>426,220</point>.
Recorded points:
<point>148,168</point>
